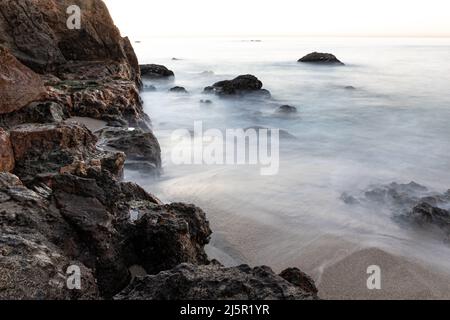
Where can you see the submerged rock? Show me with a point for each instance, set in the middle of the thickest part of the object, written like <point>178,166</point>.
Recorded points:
<point>178,90</point>
<point>320,58</point>
<point>241,85</point>
<point>214,282</point>
<point>425,213</point>
<point>412,205</point>
<point>156,71</point>
<point>286,110</point>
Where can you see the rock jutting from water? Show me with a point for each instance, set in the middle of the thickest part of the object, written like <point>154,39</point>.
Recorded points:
<point>156,71</point>
<point>248,85</point>
<point>321,58</point>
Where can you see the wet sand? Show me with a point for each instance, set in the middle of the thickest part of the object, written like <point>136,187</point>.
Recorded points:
<point>338,266</point>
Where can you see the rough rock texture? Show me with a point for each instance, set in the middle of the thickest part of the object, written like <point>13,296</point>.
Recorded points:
<point>32,265</point>
<point>36,112</point>
<point>300,279</point>
<point>18,84</point>
<point>321,58</point>
<point>155,71</point>
<point>6,152</point>
<point>214,282</point>
<point>91,219</point>
<point>141,148</point>
<point>57,148</point>
<point>37,33</point>
<point>241,85</point>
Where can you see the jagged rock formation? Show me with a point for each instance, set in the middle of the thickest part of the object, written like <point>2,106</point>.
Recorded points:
<point>214,282</point>
<point>241,85</point>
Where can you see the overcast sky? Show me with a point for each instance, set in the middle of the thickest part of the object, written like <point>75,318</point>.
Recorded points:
<point>140,18</point>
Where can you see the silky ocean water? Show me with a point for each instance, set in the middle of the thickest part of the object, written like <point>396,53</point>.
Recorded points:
<point>381,118</point>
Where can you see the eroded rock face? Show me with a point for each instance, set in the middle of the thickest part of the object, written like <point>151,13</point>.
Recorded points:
<point>140,147</point>
<point>59,148</point>
<point>181,231</point>
<point>32,264</point>
<point>214,282</point>
<point>320,58</point>
<point>6,152</point>
<point>43,42</point>
<point>241,85</point>
<point>18,84</point>
<point>89,221</point>
<point>155,71</point>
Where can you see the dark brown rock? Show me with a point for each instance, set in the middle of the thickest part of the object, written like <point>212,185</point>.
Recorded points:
<point>155,71</point>
<point>18,85</point>
<point>6,152</point>
<point>37,33</point>
<point>58,148</point>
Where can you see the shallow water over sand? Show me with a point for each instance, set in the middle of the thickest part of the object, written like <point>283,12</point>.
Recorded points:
<point>392,127</point>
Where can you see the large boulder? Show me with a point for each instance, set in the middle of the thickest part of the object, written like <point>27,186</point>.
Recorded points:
<point>6,152</point>
<point>36,31</point>
<point>33,264</point>
<point>241,85</point>
<point>320,58</point>
<point>155,71</point>
<point>164,236</point>
<point>18,84</point>
<point>214,282</point>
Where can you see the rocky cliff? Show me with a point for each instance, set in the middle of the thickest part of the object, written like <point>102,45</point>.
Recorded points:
<point>62,201</point>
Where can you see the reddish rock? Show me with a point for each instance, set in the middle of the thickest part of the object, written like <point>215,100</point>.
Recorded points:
<point>6,152</point>
<point>18,84</point>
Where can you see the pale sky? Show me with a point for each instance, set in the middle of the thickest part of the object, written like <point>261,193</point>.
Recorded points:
<point>141,18</point>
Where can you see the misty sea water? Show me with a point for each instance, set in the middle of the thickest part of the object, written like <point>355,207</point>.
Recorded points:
<point>391,126</point>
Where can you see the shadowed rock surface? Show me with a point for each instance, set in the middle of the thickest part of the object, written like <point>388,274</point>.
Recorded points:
<point>320,58</point>
<point>138,146</point>
<point>241,85</point>
<point>155,71</point>
<point>214,282</point>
